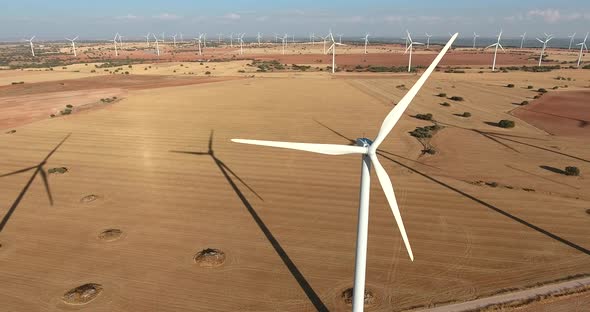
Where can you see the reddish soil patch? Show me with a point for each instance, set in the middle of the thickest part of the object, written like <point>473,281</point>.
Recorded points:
<point>391,59</point>
<point>565,113</point>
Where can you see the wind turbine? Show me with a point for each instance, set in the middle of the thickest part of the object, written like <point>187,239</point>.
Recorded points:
<point>120,41</point>
<point>572,36</point>
<point>241,39</point>
<point>199,42</point>
<point>31,44</point>
<point>410,47</point>
<point>181,38</point>
<point>366,41</point>
<point>523,36</point>
<point>582,47</point>
<point>339,38</point>
<point>157,45</point>
<point>325,39</point>
<point>163,37</point>
<point>284,41</point>
<point>428,40</point>
<point>204,40</point>
<point>544,42</point>
<point>333,48</point>
<point>259,37</point>
<point>497,44</point>
<point>147,39</point>
<point>231,40</point>
<point>369,151</point>
<point>474,38</point>
<point>73,41</point>
<point>174,39</point>
<point>115,42</point>
<point>219,38</point>
<point>312,38</point>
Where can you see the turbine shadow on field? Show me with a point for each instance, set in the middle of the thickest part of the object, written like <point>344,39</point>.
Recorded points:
<point>227,174</point>
<point>487,205</point>
<point>38,170</point>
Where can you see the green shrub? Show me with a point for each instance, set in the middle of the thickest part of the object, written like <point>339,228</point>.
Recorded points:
<point>429,150</point>
<point>504,123</point>
<point>510,85</point>
<point>456,98</point>
<point>424,116</point>
<point>466,114</point>
<point>442,95</point>
<point>69,106</point>
<point>529,87</point>
<point>207,73</point>
<point>447,104</point>
<point>542,90</point>
<point>524,103</point>
<point>572,171</point>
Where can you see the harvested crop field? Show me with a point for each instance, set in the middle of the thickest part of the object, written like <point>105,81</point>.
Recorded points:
<point>278,227</point>
<point>565,113</point>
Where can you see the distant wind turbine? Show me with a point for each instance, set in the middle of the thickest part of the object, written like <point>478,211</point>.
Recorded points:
<point>259,37</point>
<point>73,41</point>
<point>333,48</point>
<point>582,48</point>
<point>340,38</point>
<point>157,44</point>
<point>474,38</point>
<point>174,39</point>
<point>366,41</point>
<point>369,151</point>
<point>115,43</point>
<point>410,48</point>
<point>199,41</point>
<point>428,41</point>
<point>147,39</point>
<point>31,44</point>
<point>544,42</point>
<point>496,45</point>
<point>241,39</point>
<point>572,36</point>
<point>523,36</point>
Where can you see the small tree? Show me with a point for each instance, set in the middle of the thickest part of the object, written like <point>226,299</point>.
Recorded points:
<point>510,85</point>
<point>572,171</point>
<point>424,116</point>
<point>524,103</point>
<point>456,98</point>
<point>442,95</point>
<point>504,123</point>
<point>466,114</point>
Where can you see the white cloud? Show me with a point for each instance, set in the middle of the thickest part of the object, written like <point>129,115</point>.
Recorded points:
<point>128,17</point>
<point>167,17</point>
<point>262,19</point>
<point>548,15</point>
<point>232,16</point>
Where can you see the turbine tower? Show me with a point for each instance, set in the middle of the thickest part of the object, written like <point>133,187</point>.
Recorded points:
<point>410,48</point>
<point>115,43</point>
<point>523,36</point>
<point>474,38</point>
<point>369,151</point>
<point>366,41</point>
<point>157,44</point>
<point>174,39</point>
<point>199,41</point>
<point>147,39</point>
<point>544,42</point>
<point>428,40</point>
<point>333,48</point>
<point>583,47</point>
<point>340,38</point>
<point>259,37</point>
<point>241,39</point>
<point>31,44</point>
<point>73,41</point>
<point>497,44</point>
<point>572,36</point>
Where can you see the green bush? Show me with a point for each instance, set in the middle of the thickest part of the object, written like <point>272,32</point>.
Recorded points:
<point>524,103</point>
<point>510,85</point>
<point>456,98</point>
<point>542,90</point>
<point>69,106</point>
<point>466,114</point>
<point>504,123</point>
<point>572,171</point>
<point>447,104</point>
<point>529,87</point>
<point>442,95</point>
<point>424,116</point>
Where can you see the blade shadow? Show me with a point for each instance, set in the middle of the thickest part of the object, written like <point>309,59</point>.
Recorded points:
<point>227,174</point>
<point>493,208</point>
<point>38,169</point>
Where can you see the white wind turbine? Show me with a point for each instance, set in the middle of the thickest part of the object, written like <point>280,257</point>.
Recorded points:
<point>474,38</point>
<point>582,48</point>
<point>497,45</point>
<point>572,36</point>
<point>368,149</point>
<point>231,40</point>
<point>31,44</point>
<point>312,38</point>
<point>333,48</point>
<point>340,38</point>
<point>366,41</point>
<point>199,41</point>
<point>410,48</point>
<point>259,37</point>
<point>325,40</point>
<point>181,38</point>
<point>284,41</point>
<point>174,39</point>
<point>241,39</point>
<point>73,41</point>
<point>115,43</point>
<point>523,36</point>
<point>219,38</point>
<point>147,39</point>
<point>428,40</point>
<point>544,42</point>
<point>204,40</point>
<point>157,44</point>
<point>120,41</point>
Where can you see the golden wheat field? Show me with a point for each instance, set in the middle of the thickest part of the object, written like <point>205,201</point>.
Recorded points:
<point>152,179</point>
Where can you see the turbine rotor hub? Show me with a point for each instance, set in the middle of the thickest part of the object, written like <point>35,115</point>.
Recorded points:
<point>364,142</point>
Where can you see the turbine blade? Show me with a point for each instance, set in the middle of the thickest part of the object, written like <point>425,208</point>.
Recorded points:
<point>328,149</point>
<point>390,195</point>
<point>501,47</point>
<point>491,45</point>
<point>395,114</point>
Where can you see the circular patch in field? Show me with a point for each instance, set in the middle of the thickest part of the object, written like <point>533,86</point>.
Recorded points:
<point>110,235</point>
<point>210,257</point>
<point>58,170</point>
<point>369,297</point>
<point>89,198</point>
<point>82,294</point>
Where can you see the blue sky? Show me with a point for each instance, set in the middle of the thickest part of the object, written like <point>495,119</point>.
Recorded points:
<point>100,19</point>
